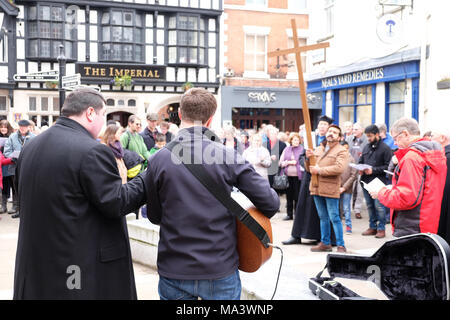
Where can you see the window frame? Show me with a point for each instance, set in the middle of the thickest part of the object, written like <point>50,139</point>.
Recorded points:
<point>390,102</point>
<point>255,73</point>
<point>122,43</point>
<point>177,29</point>
<point>39,39</point>
<point>355,103</point>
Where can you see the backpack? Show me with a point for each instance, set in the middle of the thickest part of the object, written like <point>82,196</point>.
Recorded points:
<point>134,163</point>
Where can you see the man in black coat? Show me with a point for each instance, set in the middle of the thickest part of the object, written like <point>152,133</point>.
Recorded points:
<point>443,137</point>
<point>73,239</point>
<point>276,148</point>
<point>150,132</point>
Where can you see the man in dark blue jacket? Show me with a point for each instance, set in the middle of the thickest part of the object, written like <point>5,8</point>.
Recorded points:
<point>197,255</point>
<point>378,155</point>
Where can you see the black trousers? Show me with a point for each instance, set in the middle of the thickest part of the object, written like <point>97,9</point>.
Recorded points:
<point>8,184</point>
<point>292,195</point>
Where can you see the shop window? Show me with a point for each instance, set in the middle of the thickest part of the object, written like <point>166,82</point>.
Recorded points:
<point>122,36</point>
<point>187,40</point>
<point>395,102</point>
<point>32,104</point>
<point>55,104</point>
<point>47,30</point>
<point>44,103</point>
<point>355,105</point>
<point>2,103</point>
<point>255,53</point>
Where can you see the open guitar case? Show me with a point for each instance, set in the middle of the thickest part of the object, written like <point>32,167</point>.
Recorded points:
<point>408,268</point>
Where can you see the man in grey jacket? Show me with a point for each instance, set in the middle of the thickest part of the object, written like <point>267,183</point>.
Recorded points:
<point>197,255</point>
<point>357,141</point>
<point>13,147</point>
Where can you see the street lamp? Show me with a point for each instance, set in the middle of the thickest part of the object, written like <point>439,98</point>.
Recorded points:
<point>62,72</point>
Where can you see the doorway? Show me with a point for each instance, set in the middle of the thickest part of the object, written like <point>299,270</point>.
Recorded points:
<point>120,116</point>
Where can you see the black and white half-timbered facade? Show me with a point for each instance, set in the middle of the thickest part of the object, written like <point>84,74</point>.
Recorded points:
<point>141,54</point>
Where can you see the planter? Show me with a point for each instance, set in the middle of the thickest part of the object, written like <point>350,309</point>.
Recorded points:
<point>116,87</point>
<point>127,88</point>
<point>444,84</point>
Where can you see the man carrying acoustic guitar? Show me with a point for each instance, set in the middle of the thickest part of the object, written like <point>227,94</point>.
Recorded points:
<point>197,254</point>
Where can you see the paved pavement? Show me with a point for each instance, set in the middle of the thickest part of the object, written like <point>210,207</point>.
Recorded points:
<point>296,257</point>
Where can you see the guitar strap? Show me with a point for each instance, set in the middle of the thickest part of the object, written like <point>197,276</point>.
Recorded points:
<point>199,172</point>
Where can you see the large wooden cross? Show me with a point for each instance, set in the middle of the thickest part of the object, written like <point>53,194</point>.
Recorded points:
<point>301,81</point>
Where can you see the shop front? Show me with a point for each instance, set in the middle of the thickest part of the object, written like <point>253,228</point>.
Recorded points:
<point>249,108</point>
<point>376,91</point>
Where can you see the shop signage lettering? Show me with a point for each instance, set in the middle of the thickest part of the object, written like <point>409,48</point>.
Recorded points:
<point>110,71</point>
<point>353,78</point>
<point>265,97</point>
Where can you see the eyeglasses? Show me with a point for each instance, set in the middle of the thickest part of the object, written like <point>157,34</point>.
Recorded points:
<point>395,138</point>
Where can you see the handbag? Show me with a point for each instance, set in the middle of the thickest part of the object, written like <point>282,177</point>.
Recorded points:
<point>280,181</point>
<point>254,231</point>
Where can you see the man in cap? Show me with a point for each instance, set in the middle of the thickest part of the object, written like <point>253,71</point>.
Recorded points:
<point>150,132</point>
<point>322,128</point>
<point>13,146</point>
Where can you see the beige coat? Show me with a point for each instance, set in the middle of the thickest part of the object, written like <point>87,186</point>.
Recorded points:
<point>122,170</point>
<point>331,164</point>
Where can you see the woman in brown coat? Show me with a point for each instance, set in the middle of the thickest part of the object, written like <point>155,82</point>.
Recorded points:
<point>111,137</point>
<point>332,160</point>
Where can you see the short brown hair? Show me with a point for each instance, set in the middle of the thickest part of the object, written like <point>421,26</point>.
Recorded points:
<point>80,99</point>
<point>197,104</point>
<point>336,127</point>
<point>294,135</point>
<point>133,118</point>
<point>164,124</point>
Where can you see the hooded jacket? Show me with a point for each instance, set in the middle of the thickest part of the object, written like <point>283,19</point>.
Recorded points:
<point>418,186</point>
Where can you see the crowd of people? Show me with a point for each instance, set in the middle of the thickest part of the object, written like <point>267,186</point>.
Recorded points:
<point>98,173</point>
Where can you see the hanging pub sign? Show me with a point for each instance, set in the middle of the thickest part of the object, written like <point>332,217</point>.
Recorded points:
<point>110,70</point>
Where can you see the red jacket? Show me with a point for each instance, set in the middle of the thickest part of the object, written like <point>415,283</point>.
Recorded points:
<point>3,162</point>
<point>418,186</point>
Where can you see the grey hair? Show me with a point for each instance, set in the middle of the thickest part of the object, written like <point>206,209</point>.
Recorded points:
<point>382,127</point>
<point>408,124</point>
<point>442,130</point>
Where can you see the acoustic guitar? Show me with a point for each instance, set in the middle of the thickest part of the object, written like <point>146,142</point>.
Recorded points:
<point>252,253</point>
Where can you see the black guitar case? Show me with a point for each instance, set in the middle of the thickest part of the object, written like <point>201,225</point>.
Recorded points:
<point>408,268</point>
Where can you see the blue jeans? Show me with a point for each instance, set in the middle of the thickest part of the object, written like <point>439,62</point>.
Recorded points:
<point>228,288</point>
<point>377,213</point>
<point>346,199</point>
<point>328,210</point>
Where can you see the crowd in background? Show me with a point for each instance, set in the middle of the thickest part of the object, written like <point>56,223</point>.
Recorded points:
<point>273,154</point>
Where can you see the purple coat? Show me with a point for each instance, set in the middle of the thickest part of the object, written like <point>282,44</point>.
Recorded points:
<point>287,155</point>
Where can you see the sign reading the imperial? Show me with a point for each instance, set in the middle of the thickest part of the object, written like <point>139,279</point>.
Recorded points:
<point>140,72</point>
<point>353,78</point>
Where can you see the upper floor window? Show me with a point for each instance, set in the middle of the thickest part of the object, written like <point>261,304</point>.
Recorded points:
<point>297,4</point>
<point>329,11</point>
<point>255,53</point>
<point>292,63</point>
<point>122,36</point>
<point>187,40</point>
<point>47,30</point>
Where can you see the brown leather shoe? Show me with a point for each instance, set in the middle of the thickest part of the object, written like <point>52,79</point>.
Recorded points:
<point>358,215</point>
<point>321,247</point>
<point>341,249</point>
<point>369,232</point>
<point>380,234</point>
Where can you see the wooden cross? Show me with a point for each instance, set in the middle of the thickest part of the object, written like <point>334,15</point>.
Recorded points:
<point>301,81</point>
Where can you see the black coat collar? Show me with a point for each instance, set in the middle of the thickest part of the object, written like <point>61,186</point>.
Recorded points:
<point>67,122</point>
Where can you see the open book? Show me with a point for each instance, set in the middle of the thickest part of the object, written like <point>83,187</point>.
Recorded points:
<point>360,167</point>
<point>374,186</point>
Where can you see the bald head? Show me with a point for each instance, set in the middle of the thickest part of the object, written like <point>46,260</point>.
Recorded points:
<point>441,134</point>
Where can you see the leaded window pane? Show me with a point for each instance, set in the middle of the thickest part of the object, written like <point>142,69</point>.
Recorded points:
<point>138,35</point>
<point>32,26</point>
<point>193,55</point>
<point>183,55</point>
<point>138,19</point>
<point>201,57</point>
<point>172,38</point>
<point>70,32</point>
<point>55,48</point>
<point>116,18</point>
<point>57,30</point>
<point>172,22</point>
<point>138,53</point>
<point>106,51</point>
<point>105,18</point>
<point>44,29</point>
<point>202,39</point>
<point>128,52</point>
<point>32,13</point>
<point>183,22</point>
<point>45,48</point>
<point>44,13</point>
<point>106,34</point>
<point>128,34</point>
<point>117,34</point>
<point>57,14</point>
<point>117,52</point>
<point>33,48</point>
<point>128,18</point>
<point>172,55</point>
<point>69,49</point>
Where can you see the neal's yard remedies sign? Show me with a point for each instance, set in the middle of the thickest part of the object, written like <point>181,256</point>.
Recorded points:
<point>108,71</point>
<point>354,78</point>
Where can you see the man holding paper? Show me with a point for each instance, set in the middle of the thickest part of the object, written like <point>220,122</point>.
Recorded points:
<point>418,182</point>
<point>376,156</point>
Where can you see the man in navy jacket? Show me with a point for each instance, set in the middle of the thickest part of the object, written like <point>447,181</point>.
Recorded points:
<point>197,255</point>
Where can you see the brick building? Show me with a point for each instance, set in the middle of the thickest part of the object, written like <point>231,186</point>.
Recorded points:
<point>256,89</point>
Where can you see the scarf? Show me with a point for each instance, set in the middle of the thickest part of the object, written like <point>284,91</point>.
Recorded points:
<point>117,149</point>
